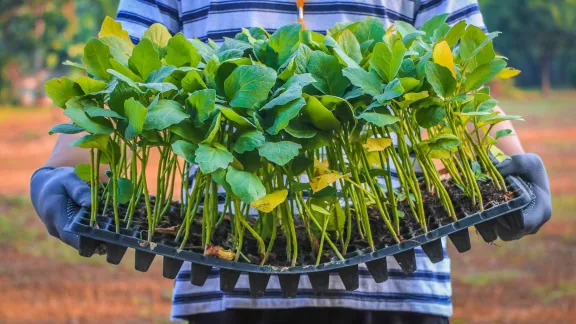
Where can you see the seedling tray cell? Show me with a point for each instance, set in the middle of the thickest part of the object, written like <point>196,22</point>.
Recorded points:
<point>104,236</point>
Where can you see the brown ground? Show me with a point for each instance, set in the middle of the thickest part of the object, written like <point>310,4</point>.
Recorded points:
<point>41,281</point>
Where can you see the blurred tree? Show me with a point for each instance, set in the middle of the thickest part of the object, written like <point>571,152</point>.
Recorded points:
<point>536,30</point>
<point>36,35</point>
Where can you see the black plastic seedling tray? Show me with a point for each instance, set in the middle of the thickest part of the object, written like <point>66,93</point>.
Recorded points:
<point>117,243</point>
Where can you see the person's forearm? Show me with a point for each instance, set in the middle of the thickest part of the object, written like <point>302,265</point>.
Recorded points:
<point>65,155</point>
<point>510,145</point>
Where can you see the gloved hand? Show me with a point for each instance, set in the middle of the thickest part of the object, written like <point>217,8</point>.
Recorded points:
<point>528,167</point>
<point>50,191</point>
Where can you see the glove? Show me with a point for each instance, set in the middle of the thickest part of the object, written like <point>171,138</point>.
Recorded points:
<point>51,190</point>
<point>528,167</point>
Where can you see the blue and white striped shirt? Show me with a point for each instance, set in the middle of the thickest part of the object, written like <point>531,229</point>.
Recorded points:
<point>427,290</point>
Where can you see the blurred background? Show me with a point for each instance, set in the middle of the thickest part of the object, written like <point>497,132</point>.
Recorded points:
<point>42,281</point>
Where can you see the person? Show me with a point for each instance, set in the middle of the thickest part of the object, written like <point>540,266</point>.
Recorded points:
<point>421,297</point>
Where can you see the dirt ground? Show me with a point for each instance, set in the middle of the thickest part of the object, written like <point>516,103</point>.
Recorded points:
<point>42,281</point>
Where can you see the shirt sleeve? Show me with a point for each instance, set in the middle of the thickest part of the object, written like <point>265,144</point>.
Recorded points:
<point>458,10</point>
<point>137,15</point>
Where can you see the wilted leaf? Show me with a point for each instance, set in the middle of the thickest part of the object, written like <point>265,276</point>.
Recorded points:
<point>322,181</point>
<point>377,144</point>
<point>267,203</point>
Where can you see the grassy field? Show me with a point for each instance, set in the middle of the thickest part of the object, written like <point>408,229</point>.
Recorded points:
<point>42,281</point>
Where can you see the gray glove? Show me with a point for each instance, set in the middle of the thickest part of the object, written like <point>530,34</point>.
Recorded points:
<point>51,190</point>
<point>528,167</point>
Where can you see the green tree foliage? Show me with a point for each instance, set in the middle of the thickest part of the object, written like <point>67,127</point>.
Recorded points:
<point>539,32</point>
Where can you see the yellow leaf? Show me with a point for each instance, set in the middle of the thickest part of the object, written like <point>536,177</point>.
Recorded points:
<point>321,167</point>
<point>158,34</point>
<point>374,160</point>
<point>323,181</point>
<point>270,201</point>
<point>508,73</point>
<point>111,27</point>
<point>443,56</point>
<point>377,144</point>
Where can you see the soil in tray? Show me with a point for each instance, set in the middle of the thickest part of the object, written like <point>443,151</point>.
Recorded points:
<point>307,253</point>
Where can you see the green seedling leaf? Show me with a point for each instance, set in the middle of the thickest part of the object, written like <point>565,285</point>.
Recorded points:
<point>484,73</point>
<point>246,186</point>
<point>94,125</point>
<point>409,84</point>
<point>455,33</point>
<point>74,65</point>
<point>368,83</point>
<point>475,46</point>
<point>320,116</point>
<point>234,117</point>
<point>284,40</point>
<point>442,142</point>
<point>300,130</point>
<point>379,120</point>
<point>350,45</point>
<point>212,157</point>
<point>386,62</point>
<point>214,128</point>
<point>158,76</point>
<point>393,90</point>
<point>90,85</point>
<point>65,129</point>
<point>290,94</point>
<point>369,29</point>
<point>327,72</point>
<point>269,202</point>
<point>279,152</point>
<point>136,115</point>
<point>101,112</point>
<point>144,59</point>
<point>433,24</point>
<point>97,59</point>
<point>184,149</point>
<point>284,114</point>
<point>441,79</point>
<point>161,87</point>
<point>165,114</point>
<point>83,171</point>
<point>61,90</point>
<point>90,141</point>
<point>300,80</point>
<point>135,87</point>
<point>248,85</point>
<point>503,133</point>
<point>124,191</point>
<point>123,73</point>
<point>296,187</point>
<point>200,105</point>
<point>181,52</point>
<point>158,34</point>
<point>249,141</point>
<point>193,82</point>
<point>205,51</point>
<point>430,116</point>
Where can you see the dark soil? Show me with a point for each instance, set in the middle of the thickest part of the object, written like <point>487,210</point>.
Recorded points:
<point>167,229</point>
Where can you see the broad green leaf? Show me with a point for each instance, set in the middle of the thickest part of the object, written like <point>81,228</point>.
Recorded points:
<point>90,85</point>
<point>441,80</point>
<point>393,90</point>
<point>214,129</point>
<point>83,171</point>
<point>234,117</point>
<point>368,29</point>
<point>119,95</point>
<point>300,130</point>
<point>160,74</point>
<point>65,129</point>
<point>433,24</point>
<point>246,186</point>
<point>387,62</point>
<point>120,49</point>
<point>90,141</point>
<point>284,114</point>
<point>61,90</point>
<point>483,74</point>
<point>290,94</point>
<point>203,49</point>
<point>200,105</point>
<point>327,72</point>
<point>135,113</point>
<point>124,190</point>
<point>94,111</point>
<point>377,144</point>
<point>180,52</point>
<point>430,116</point>
<point>495,119</point>
<point>212,157</point>
<point>300,80</point>
<point>249,141</point>
<point>379,120</point>
<point>160,87</point>
<point>284,40</point>
<point>74,64</point>
<point>145,58</point>
<point>97,59</point>
<point>443,56</point>
<point>123,70</point>
<point>409,84</point>
<point>158,34</point>
<point>414,96</point>
<point>279,152</point>
<point>185,149</point>
<point>267,203</point>
<point>367,82</point>
<point>350,45</point>
<point>320,116</point>
<point>248,85</point>
<point>125,79</point>
<point>193,81</point>
<point>455,33</point>
<point>94,125</point>
<point>503,133</point>
<point>442,142</point>
<point>165,114</point>
<point>476,46</point>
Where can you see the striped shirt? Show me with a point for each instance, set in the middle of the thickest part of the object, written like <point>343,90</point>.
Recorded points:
<point>427,290</point>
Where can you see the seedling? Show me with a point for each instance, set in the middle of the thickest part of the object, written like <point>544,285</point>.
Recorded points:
<point>320,142</point>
